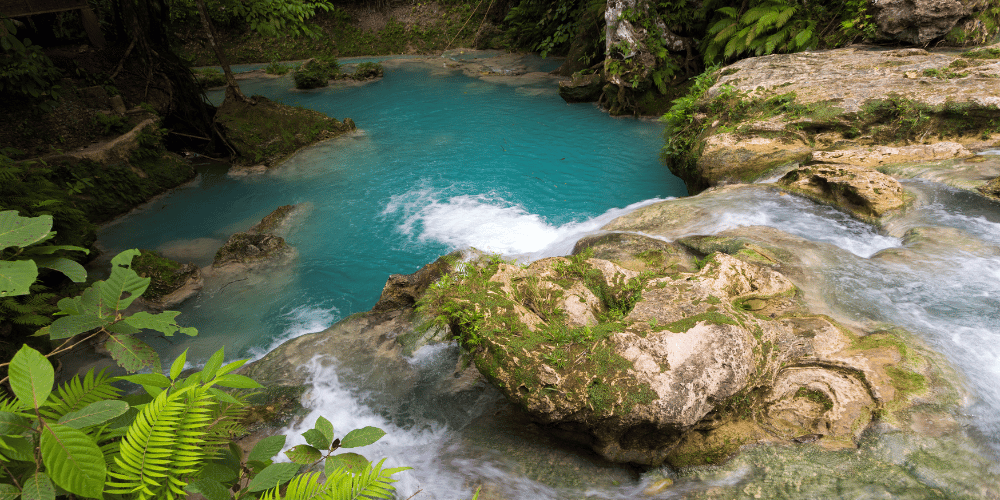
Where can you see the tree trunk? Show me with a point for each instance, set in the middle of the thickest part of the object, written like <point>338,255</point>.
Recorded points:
<point>232,88</point>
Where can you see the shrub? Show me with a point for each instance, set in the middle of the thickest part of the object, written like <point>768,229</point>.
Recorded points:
<point>368,70</point>
<point>316,73</point>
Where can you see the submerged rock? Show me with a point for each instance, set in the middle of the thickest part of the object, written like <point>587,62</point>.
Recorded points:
<point>256,245</point>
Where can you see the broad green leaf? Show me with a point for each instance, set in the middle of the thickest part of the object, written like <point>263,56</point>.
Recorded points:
<point>219,472</point>
<point>94,413</point>
<point>210,489</point>
<point>51,249</point>
<point>267,448</point>
<point>131,353</point>
<point>273,475</point>
<point>361,437</point>
<point>8,492</point>
<point>317,439</point>
<point>178,365</point>
<point>31,376</point>
<point>232,366</point>
<point>123,328</point>
<point>12,424</point>
<point>323,425</point>
<point>38,487</point>
<point>68,326</point>
<point>304,454</point>
<point>17,231</point>
<point>237,381</point>
<point>351,462</point>
<point>223,396</point>
<point>71,269</point>
<point>153,379</point>
<point>16,277</point>
<point>73,460</point>
<point>163,322</point>
<point>18,448</point>
<point>123,286</point>
<point>213,364</point>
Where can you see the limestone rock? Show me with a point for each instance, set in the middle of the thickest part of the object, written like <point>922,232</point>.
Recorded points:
<point>920,22</point>
<point>257,245</point>
<point>170,282</point>
<point>582,88</point>
<point>860,191</point>
<point>884,155</point>
<point>403,290</point>
<point>859,105</point>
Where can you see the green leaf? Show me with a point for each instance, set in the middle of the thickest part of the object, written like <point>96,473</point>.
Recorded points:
<point>131,353</point>
<point>219,472</point>
<point>323,425</point>
<point>68,326</point>
<point>362,437</point>
<point>12,424</point>
<point>224,396</point>
<point>123,286</point>
<point>94,413</point>
<point>16,277</point>
<point>267,448</point>
<point>38,487</point>
<point>163,322</point>
<point>317,439</point>
<point>71,269</point>
<point>213,364</point>
<point>31,376</point>
<point>351,462</point>
<point>273,475</point>
<point>17,231</point>
<point>73,460</point>
<point>51,249</point>
<point>17,448</point>
<point>8,492</point>
<point>153,379</point>
<point>232,366</point>
<point>237,382</point>
<point>210,489</point>
<point>178,365</point>
<point>304,454</point>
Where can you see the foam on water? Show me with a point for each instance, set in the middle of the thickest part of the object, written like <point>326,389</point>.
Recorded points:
<point>491,224</point>
<point>301,321</point>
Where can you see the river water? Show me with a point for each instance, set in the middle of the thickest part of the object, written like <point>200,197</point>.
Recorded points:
<point>444,161</point>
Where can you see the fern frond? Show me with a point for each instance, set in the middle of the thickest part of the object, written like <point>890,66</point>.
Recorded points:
<point>79,392</point>
<point>782,18</point>
<point>373,482</point>
<point>301,487</point>
<point>163,445</point>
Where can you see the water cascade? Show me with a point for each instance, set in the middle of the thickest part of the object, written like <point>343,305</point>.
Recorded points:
<point>443,161</point>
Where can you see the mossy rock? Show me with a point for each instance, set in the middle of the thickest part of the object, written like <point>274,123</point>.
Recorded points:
<point>266,132</point>
<point>166,275</point>
<point>248,248</point>
<point>368,71</point>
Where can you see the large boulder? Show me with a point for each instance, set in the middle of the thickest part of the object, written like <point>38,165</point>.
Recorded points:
<point>672,352</point>
<point>857,106</point>
<point>920,22</point>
